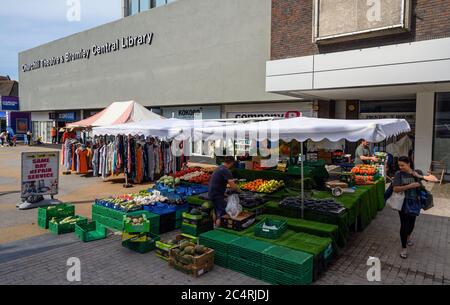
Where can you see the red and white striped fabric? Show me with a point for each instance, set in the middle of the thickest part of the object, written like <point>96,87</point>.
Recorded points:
<point>117,113</point>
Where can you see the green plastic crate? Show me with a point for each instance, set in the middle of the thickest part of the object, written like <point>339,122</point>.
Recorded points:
<point>142,247</point>
<point>57,228</point>
<point>288,261</point>
<point>62,210</point>
<point>248,249</point>
<point>277,277</point>
<point>90,231</point>
<point>221,259</point>
<point>281,226</point>
<point>195,230</point>
<point>107,212</point>
<point>43,222</point>
<point>191,216</point>
<point>244,266</point>
<point>178,223</point>
<point>129,227</point>
<point>218,240</point>
<point>108,222</point>
<point>179,213</point>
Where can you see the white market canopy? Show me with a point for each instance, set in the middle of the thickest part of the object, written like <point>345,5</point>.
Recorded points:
<point>305,128</point>
<point>164,129</point>
<point>117,113</point>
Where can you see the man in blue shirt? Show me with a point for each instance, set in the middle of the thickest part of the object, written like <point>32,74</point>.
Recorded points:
<point>218,185</point>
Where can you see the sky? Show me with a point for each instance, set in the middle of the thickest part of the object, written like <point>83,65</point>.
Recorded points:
<point>25,24</point>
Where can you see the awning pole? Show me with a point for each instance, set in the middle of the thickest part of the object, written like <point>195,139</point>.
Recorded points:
<point>303,182</point>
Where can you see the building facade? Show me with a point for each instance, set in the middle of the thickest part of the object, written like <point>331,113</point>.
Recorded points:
<point>177,58</point>
<point>368,59</point>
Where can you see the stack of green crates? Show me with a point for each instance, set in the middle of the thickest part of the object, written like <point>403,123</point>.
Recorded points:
<point>63,228</point>
<point>245,256</point>
<point>45,214</point>
<point>113,219</point>
<point>284,266</point>
<point>219,241</point>
<point>195,224</point>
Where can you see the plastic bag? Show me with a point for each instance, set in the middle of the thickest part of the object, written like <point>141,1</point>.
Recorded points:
<point>233,207</point>
<point>396,201</point>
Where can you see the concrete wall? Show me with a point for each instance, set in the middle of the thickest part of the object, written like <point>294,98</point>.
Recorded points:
<point>203,52</point>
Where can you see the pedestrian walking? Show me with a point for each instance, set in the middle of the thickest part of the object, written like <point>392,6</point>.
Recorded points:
<point>29,137</point>
<point>54,133</point>
<point>409,181</point>
<point>3,137</point>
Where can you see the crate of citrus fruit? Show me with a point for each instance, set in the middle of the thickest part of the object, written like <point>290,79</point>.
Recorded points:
<point>263,186</point>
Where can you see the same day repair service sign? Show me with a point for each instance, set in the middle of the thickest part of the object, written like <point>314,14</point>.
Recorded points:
<point>40,172</point>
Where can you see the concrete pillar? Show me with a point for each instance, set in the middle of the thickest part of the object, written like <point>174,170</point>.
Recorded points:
<point>424,130</point>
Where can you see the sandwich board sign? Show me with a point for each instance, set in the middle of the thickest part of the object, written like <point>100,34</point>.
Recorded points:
<point>40,175</point>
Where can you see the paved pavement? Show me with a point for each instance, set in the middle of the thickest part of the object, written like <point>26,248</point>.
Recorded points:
<point>30,255</point>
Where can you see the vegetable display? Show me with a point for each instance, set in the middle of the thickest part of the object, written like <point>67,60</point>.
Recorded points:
<point>135,220</point>
<point>263,186</point>
<point>132,202</point>
<point>324,206</point>
<point>250,200</point>
<point>68,220</point>
<point>169,180</point>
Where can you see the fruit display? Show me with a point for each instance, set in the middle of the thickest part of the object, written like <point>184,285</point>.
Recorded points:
<point>322,206</point>
<point>363,169</point>
<point>263,186</point>
<point>68,220</point>
<point>364,180</point>
<point>364,174</point>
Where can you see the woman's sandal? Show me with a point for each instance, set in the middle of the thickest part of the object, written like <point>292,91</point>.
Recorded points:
<point>404,255</point>
<point>410,243</point>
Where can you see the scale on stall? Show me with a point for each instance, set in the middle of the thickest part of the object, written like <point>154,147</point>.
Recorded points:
<point>338,188</point>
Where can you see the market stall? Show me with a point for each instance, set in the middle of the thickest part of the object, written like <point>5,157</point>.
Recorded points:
<point>286,233</point>
<point>78,154</point>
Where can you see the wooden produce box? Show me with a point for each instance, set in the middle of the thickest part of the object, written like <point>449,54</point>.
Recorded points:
<point>197,260</point>
<point>194,271</point>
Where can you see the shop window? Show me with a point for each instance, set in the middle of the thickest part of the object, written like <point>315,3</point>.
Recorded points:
<point>442,129</point>
<point>144,5</point>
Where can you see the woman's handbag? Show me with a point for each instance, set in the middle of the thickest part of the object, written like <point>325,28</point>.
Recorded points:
<point>426,199</point>
<point>396,201</point>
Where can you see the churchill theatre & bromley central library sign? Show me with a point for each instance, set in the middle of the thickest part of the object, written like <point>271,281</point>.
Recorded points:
<point>94,50</point>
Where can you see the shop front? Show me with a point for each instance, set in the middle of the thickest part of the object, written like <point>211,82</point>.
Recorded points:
<point>41,126</point>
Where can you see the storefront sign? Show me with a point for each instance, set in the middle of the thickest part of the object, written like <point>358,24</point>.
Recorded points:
<point>273,114</point>
<point>345,19</point>
<point>10,103</point>
<point>189,113</point>
<point>62,116</point>
<point>87,53</point>
<point>40,173</point>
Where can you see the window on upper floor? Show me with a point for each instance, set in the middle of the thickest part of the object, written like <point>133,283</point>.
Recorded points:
<point>137,6</point>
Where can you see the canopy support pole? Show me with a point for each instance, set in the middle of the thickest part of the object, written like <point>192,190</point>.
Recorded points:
<point>303,181</point>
